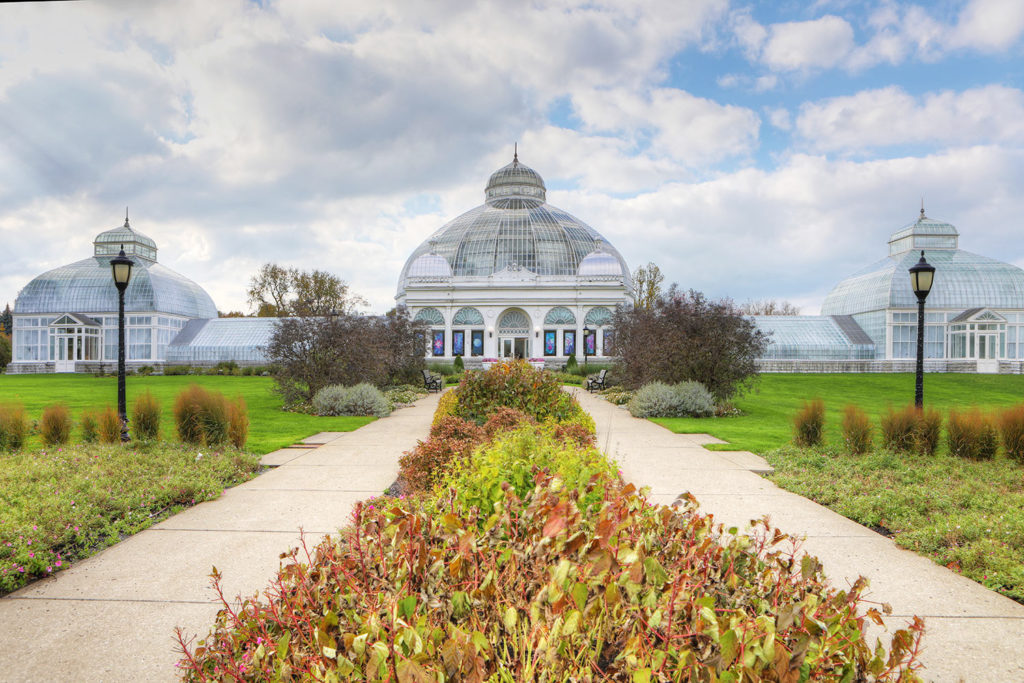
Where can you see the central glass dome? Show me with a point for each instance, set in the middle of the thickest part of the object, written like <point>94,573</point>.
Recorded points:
<point>515,229</point>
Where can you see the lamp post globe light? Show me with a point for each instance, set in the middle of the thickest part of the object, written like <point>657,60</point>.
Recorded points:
<point>121,268</point>
<point>922,276</point>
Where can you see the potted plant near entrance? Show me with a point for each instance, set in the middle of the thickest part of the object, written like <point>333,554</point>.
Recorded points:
<point>537,363</point>
<point>488,362</point>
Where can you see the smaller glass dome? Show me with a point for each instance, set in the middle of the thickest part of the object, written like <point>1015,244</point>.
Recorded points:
<point>924,233</point>
<point>430,266</point>
<point>599,263</point>
<point>110,243</point>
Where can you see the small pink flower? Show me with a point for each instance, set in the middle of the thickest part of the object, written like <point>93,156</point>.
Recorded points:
<point>31,555</point>
<point>59,563</point>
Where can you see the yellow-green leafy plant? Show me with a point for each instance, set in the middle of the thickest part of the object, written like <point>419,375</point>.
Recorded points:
<point>55,425</point>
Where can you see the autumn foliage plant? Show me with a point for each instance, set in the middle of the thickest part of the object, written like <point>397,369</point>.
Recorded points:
<point>809,424</point>
<point>531,559</point>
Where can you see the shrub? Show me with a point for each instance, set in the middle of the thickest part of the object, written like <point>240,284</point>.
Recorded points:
<point>146,417</point>
<point>516,385</point>
<point>201,416</point>
<point>13,426</point>
<point>451,439</point>
<point>108,426</point>
<point>928,431</point>
<point>55,425</point>
<point>505,419</point>
<point>446,406</point>
<point>362,399</point>
<point>856,430</point>
<point>177,370</point>
<point>238,423</point>
<point>458,365</point>
<point>87,423</point>
<point>658,399</point>
<point>971,435</point>
<point>403,395</point>
<point>809,424</point>
<point>1011,431</point>
<point>617,395</point>
<point>899,429</point>
<point>145,370</point>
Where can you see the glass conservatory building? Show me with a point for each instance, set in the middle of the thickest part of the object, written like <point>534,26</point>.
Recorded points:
<point>974,314</point>
<point>65,320</point>
<point>515,277</point>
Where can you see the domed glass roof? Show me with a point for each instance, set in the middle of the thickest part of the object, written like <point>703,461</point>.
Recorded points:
<point>87,286</point>
<point>515,229</point>
<point>962,280</point>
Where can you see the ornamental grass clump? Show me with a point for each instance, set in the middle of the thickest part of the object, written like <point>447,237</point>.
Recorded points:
<point>146,417</point>
<point>899,429</point>
<point>928,431</point>
<point>55,425</point>
<point>809,424</point>
<point>1011,432</point>
<point>971,435</point>
<point>88,426</point>
<point>13,426</point>
<point>238,423</point>
<point>201,416</point>
<point>108,426</point>
<point>857,431</point>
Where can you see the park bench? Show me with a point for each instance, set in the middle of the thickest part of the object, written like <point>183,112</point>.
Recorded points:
<point>432,382</point>
<point>595,382</point>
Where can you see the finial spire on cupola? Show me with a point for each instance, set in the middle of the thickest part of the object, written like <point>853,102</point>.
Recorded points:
<point>515,154</point>
<point>126,218</point>
<point>922,207</point>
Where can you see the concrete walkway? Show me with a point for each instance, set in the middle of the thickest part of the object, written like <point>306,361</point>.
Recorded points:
<point>972,633</point>
<point>112,617</point>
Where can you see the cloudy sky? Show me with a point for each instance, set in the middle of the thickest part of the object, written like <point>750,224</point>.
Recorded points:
<point>750,149</point>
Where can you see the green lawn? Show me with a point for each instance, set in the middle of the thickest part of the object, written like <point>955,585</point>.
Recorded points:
<point>270,427</point>
<point>766,422</point>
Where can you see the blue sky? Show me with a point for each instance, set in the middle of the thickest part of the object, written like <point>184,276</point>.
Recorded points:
<point>751,150</point>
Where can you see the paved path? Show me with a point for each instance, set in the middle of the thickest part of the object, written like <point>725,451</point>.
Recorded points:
<point>112,617</point>
<point>972,633</point>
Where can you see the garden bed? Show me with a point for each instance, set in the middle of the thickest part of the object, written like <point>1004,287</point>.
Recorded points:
<point>60,505</point>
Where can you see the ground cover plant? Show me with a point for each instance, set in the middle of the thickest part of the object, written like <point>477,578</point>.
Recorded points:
<point>964,514</point>
<point>531,559</point>
<point>58,505</point>
<point>270,427</point>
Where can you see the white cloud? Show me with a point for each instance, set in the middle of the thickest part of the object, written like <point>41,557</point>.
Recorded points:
<point>780,118</point>
<point>802,45</point>
<point>989,25</point>
<point>890,116</point>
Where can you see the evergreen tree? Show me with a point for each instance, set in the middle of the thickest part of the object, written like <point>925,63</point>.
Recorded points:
<point>6,321</point>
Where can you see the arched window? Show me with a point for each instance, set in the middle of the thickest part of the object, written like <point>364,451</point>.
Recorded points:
<point>514,322</point>
<point>467,316</point>
<point>431,316</point>
<point>597,317</point>
<point>560,315</point>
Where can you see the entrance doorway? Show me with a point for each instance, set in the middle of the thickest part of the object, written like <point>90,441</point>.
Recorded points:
<point>514,347</point>
<point>988,355</point>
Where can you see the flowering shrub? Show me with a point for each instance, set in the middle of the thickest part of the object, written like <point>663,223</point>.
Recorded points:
<point>532,560</point>
<point>64,504</point>
<point>539,591</point>
<point>515,385</point>
<point>55,425</point>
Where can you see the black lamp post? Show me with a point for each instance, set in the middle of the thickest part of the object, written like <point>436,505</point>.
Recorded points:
<point>922,275</point>
<point>121,266</point>
<point>586,333</point>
